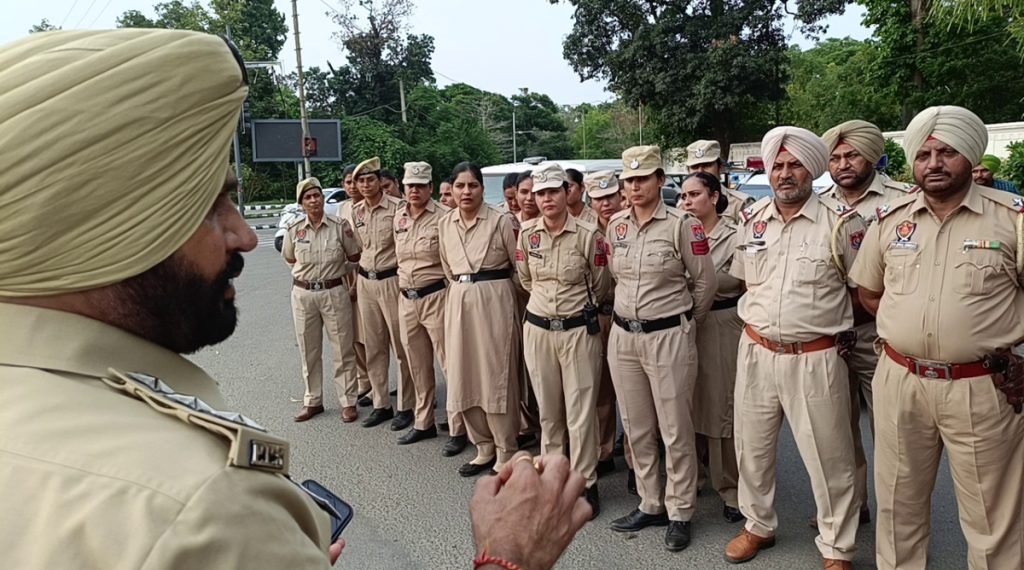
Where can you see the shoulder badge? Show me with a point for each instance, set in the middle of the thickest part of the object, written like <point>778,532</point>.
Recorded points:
<point>301,220</point>
<point>749,212</point>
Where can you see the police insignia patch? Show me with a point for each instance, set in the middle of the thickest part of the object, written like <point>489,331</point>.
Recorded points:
<point>301,234</point>
<point>699,153</point>
<point>402,223</point>
<point>856,238</point>
<point>699,245</point>
<point>634,164</point>
<point>698,232</point>
<point>602,184</point>
<point>416,170</point>
<point>534,240</point>
<point>905,230</point>
<point>759,228</point>
<point>620,231</point>
<point>601,253</point>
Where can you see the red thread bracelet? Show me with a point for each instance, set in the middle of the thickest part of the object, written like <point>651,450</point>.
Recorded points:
<point>485,559</point>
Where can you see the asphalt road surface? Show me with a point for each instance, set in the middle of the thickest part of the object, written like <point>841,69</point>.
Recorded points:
<point>411,508</point>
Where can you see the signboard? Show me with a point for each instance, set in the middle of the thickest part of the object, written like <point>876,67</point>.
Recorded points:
<point>280,140</point>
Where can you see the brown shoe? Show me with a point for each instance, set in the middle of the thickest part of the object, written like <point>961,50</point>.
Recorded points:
<point>746,545</point>
<point>349,414</point>
<point>308,412</point>
<point>832,564</point>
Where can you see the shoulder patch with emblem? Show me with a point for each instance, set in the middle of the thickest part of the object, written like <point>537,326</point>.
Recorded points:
<point>750,211</point>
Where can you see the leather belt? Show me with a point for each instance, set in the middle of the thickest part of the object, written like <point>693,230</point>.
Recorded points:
<point>565,324</point>
<point>485,275</point>
<point>606,309</point>
<point>652,325</point>
<point>820,343</point>
<point>379,275</point>
<point>318,285</point>
<point>413,294</point>
<point>938,369</point>
<point>726,303</point>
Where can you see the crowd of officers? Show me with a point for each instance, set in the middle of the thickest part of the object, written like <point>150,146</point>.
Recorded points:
<point>702,327</point>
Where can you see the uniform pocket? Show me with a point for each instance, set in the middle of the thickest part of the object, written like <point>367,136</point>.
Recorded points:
<point>660,256</point>
<point>755,266</point>
<point>902,271</point>
<point>303,252</point>
<point>574,267</point>
<point>977,271</point>
<point>812,265</point>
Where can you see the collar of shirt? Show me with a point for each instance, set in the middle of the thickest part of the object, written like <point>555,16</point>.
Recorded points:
<point>429,208</point>
<point>570,226</point>
<point>972,201</point>
<point>809,209</point>
<point>876,187</point>
<point>66,342</point>
<point>660,213</point>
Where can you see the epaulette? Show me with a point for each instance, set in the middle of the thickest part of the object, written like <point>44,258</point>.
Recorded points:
<point>836,207</point>
<point>618,215</point>
<point>888,208</point>
<point>251,446</point>
<point>333,218</point>
<point>527,224</point>
<point>752,210</point>
<point>1003,198</point>
<point>586,226</point>
<point>743,196</point>
<point>900,186</point>
<point>300,220</point>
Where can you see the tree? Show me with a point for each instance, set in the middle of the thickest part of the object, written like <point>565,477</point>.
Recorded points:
<point>601,131</point>
<point>540,130</point>
<point>43,26</point>
<point>970,13</point>
<point>1013,166</point>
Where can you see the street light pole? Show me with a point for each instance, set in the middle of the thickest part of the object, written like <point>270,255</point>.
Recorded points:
<point>302,88</point>
<point>515,156</point>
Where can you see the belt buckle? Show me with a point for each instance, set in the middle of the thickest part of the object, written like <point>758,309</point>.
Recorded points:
<point>372,275</point>
<point>465,279</point>
<point>557,324</point>
<point>931,369</point>
<point>412,294</point>
<point>316,285</point>
<point>636,326</point>
<point>780,348</point>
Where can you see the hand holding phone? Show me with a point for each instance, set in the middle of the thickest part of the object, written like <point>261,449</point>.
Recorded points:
<point>339,511</point>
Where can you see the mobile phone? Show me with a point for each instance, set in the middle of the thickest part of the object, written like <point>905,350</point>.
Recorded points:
<point>340,511</point>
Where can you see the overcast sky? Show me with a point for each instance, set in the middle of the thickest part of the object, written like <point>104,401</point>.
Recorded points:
<point>496,45</point>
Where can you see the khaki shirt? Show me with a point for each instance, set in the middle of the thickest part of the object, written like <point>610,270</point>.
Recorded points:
<point>488,243</point>
<point>651,264</point>
<point>588,215</point>
<point>724,239</point>
<point>940,300</point>
<point>881,191</point>
<point>320,253</point>
<point>557,270</point>
<point>795,293</point>
<point>737,201</point>
<point>417,246</point>
<point>93,476</point>
<point>374,226</point>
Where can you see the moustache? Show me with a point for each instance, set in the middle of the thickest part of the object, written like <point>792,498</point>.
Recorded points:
<point>233,269</point>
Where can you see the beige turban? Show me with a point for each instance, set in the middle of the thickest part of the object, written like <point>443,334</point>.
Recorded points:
<point>955,126</point>
<point>801,143</point>
<point>866,138</point>
<point>114,147</point>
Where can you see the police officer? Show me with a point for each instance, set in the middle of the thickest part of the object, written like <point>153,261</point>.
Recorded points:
<point>563,263</point>
<point>577,208</point>
<point>345,212</point>
<point>942,268</point>
<point>796,248</point>
<point>482,331</point>
<point>524,197</point>
<point>421,306</point>
<point>445,192</point>
<point>318,247</point>
<point>510,204</point>
<point>377,295</point>
<point>856,147</point>
<point>651,350</point>
<point>717,341</point>
<point>706,156</point>
<point>113,444</point>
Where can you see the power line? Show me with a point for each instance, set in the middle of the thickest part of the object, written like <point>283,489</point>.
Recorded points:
<point>86,13</point>
<point>102,10</point>
<point>70,10</point>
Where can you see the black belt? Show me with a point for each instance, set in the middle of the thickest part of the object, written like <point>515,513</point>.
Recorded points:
<point>318,285</point>
<point>606,309</point>
<point>726,303</point>
<point>414,294</point>
<point>379,275</point>
<point>565,324</point>
<point>653,325</point>
<point>485,275</point>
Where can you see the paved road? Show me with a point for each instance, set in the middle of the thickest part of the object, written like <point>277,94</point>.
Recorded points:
<point>411,507</point>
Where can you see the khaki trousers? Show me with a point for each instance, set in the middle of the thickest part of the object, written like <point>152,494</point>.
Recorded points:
<point>654,376</point>
<point>605,397</point>
<point>357,328</point>
<point>812,391</point>
<point>720,454</point>
<point>312,312</point>
<point>493,433</point>
<point>565,369</point>
<point>862,362</point>
<point>378,307</point>
<point>915,419</point>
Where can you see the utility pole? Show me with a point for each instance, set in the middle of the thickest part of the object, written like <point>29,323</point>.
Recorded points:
<point>640,110</point>
<point>302,88</point>
<point>401,97</point>
<point>584,120</point>
<point>515,156</point>
<point>238,150</point>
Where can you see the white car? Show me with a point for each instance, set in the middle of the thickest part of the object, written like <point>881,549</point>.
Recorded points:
<point>757,185</point>
<point>292,212</point>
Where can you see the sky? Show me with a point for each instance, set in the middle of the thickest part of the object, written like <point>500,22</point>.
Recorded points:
<point>495,45</point>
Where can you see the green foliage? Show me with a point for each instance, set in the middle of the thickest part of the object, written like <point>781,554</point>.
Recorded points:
<point>1013,166</point>
<point>44,25</point>
<point>970,13</point>
<point>539,127</point>
<point>897,166</point>
<point>601,131</point>
<point>363,137</point>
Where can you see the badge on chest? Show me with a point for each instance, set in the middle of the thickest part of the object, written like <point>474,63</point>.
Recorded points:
<point>904,233</point>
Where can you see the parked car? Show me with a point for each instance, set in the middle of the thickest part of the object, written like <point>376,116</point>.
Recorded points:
<point>757,185</point>
<point>292,212</point>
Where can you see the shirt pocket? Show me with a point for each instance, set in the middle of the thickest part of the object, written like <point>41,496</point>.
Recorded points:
<point>755,265</point>
<point>573,268</point>
<point>902,271</point>
<point>812,264</point>
<point>621,260</point>
<point>303,252</point>
<point>977,271</point>
<point>660,256</point>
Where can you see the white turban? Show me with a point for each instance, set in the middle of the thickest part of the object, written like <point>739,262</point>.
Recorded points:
<point>955,126</point>
<point>806,146</point>
<point>861,135</point>
<point>113,148</point>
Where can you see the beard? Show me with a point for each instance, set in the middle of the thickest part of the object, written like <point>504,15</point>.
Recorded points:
<point>793,195</point>
<point>174,306</point>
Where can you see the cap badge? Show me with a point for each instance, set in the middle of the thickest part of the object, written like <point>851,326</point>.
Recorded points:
<point>416,170</point>
<point>540,177</point>
<point>634,164</point>
<point>699,153</point>
<point>603,184</point>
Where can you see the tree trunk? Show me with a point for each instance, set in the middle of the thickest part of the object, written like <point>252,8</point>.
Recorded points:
<point>918,13</point>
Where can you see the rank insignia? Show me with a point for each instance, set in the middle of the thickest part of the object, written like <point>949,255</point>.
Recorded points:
<point>1019,204</point>
<point>534,240</point>
<point>620,231</point>
<point>760,227</point>
<point>905,230</point>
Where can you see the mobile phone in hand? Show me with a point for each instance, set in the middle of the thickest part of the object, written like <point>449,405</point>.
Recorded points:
<point>339,511</point>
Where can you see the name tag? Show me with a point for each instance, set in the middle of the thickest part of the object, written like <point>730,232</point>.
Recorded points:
<point>537,255</point>
<point>896,244</point>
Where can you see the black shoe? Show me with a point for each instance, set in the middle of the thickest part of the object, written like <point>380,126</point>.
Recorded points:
<point>443,426</point>
<point>732,515</point>
<point>677,537</point>
<point>631,482</point>
<point>414,435</point>
<point>365,401</point>
<point>620,445</point>
<point>638,520</point>
<point>526,440</point>
<point>473,469</point>
<point>393,392</point>
<point>590,494</point>
<point>402,420</point>
<point>378,416</point>
<point>455,445</point>
<point>606,467</point>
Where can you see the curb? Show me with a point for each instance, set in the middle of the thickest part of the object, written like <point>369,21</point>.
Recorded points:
<point>263,215</point>
<point>264,227</point>
<point>266,207</point>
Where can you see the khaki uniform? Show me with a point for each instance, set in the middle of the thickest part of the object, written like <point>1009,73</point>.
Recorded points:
<point>529,412</point>
<point>587,214</point>
<point>738,201</point>
<point>345,212</point>
<point>482,330</point>
<point>654,372</point>
<point>378,301</point>
<point>795,293</point>
<point>422,317</point>
<point>863,360</point>
<point>320,255</point>
<point>91,475</point>
<point>564,364</point>
<point>718,338</point>
<point>944,302</point>
<point>607,411</point>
